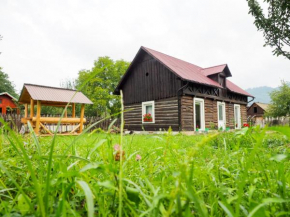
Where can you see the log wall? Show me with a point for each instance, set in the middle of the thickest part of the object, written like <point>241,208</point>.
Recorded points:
<point>166,115</point>
<point>211,115</point>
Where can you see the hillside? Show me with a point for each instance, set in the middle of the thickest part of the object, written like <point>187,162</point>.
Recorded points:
<point>261,94</point>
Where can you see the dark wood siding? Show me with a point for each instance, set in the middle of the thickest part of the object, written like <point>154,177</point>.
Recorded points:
<point>259,113</point>
<point>244,114</point>
<point>149,80</point>
<point>210,112</point>
<point>187,123</point>
<point>211,118</point>
<point>166,115</point>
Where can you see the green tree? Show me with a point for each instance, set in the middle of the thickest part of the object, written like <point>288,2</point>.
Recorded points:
<point>275,24</point>
<point>280,101</point>
<point>99,83</point>
<point>6,85</point>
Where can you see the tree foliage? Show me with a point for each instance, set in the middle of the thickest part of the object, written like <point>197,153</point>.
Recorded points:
<point>280,101</point>
<point>275,24</point>
<point>6,85</point>
<point>99,83</point>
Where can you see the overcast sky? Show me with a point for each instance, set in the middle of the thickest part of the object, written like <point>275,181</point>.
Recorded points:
<point>46,42</point>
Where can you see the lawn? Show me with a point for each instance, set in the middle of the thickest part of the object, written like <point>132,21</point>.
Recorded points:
<point>242,173</point>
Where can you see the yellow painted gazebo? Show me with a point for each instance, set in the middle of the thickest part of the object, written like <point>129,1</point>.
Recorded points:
<point>36,95</point>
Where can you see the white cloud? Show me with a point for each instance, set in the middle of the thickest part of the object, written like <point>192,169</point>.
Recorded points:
<point>45,42</point>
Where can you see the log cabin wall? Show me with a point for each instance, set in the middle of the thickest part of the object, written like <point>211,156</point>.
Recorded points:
<point>244,115</point>
<point>251,112</point>
<point>187,113</point>
<point>211,115</point>
<point>149,80</point>
<point>230,116</point>
<point>166,115</point>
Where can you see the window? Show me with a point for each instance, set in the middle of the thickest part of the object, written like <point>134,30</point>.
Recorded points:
<point>222,80</point>
<point>255,110</point>
<point>221,112</point>
<point>237,114</point>
<point>199,120</point>
<point>0,101</point>
<point>148,112</point>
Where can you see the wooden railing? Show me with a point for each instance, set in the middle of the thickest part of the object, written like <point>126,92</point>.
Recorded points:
<point>14,122</point>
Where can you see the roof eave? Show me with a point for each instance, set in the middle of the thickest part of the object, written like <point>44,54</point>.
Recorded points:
<point>12,97</point>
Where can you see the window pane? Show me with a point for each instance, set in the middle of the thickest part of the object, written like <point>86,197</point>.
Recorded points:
<point>237,114</point>
<point>148,109</point>
<point>255,110</point>
<point>197,115</point>
<point>221,113</point>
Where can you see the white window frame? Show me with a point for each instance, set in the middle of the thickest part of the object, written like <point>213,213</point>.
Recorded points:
<point>202,110</point>
<point>224,114</point>
<point>144,104</point>
<point>239,116</point>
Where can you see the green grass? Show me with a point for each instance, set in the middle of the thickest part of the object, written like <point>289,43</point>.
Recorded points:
<point>243,173</point>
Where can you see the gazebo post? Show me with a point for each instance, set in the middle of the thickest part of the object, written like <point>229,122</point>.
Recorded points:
<point>31,108</point>
<point>73,110</point>
<point>38,112</point>
<point>25,110</point>
<point>82,118</point>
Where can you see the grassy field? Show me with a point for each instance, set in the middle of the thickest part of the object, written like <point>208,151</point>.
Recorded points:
<point>242,173</point>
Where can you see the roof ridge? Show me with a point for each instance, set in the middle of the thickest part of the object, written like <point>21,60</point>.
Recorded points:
<point>148,49</point>
<point>214,66</point>
<point>37,85</point>
<point>263,103</point>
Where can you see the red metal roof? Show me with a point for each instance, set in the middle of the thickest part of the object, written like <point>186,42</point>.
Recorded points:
<point>52,94</point>
<point>234,88</point>
<point>214,70</point>
<point>193,72</point>
<point>184,69</point>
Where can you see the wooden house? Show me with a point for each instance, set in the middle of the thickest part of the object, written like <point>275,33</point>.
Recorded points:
<point>256,112</point>
<point>8,104</point>
<point>37,96</point>
<point>160,91</point>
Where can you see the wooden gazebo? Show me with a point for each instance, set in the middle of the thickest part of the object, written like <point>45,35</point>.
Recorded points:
<point>36,95</point>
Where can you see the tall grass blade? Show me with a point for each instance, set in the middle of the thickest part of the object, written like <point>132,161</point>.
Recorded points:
<point>89,197</point>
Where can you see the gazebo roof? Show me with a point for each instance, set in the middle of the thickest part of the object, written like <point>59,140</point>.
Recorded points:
<point>51,95</point>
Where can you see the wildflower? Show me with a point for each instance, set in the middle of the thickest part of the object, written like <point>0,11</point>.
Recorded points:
<point>118,156</point>
<point>138,157</point>
<point>118,153</point>
<point>117,147</point>
<point>246,125</point>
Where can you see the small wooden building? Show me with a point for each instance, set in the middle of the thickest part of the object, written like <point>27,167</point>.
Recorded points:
<point>256,112</point>
<point>161,91</point>
<point>36,95</point>
<point>8,104</point>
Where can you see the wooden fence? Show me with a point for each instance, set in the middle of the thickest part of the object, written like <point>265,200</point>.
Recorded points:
<point>14,122</point>
<point>269,121</point>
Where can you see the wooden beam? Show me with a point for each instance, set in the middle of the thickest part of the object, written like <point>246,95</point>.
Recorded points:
<point>53,120</point>
<point>73,110</point>
<point>44,127</point>
<point>82,118</point>
<point>25,110</point>
<point>38,112</point>
<point>65,113</point>
<point>31,108</point>
<point>75,129</point>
